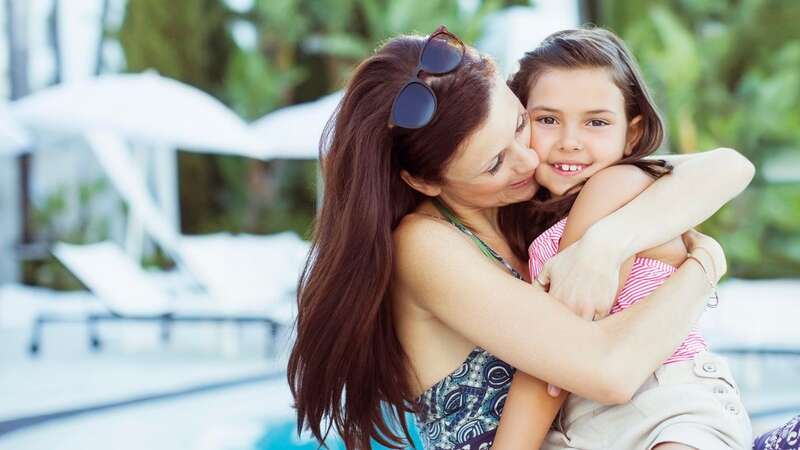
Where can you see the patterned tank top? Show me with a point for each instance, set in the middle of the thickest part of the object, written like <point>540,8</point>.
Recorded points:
<point>645,277</point>
<point>462,411</point>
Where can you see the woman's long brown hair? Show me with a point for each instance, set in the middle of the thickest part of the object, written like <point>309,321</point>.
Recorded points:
<point>347,369</point>
<point>580,49</point>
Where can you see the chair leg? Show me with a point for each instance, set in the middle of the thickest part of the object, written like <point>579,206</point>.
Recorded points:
<point>95,343</point>
<point>272,339</point>
<point>36,336</point>
<point>166,329</point>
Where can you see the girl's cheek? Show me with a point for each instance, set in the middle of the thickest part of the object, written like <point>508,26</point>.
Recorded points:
<point>541,143</point>
<point>541,150</point>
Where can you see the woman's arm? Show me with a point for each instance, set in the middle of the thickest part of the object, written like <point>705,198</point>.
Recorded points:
<point>527,415</point>
<point>443,272</point>
<point>529,409</point>
<point>698,186</point>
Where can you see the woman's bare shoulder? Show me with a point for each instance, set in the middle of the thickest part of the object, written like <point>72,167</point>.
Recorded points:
<point>419,232</point>
<point>428,251</point>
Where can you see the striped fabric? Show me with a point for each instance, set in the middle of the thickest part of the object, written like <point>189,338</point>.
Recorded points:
<point>645,277</point>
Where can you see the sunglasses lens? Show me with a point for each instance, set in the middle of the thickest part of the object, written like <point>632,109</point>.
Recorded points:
<point>414,106</point>
<point>441,54</point>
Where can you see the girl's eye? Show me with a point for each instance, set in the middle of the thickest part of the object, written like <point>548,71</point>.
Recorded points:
<point>496,166</point>
<point>597,123</point>
<point>547,120</point>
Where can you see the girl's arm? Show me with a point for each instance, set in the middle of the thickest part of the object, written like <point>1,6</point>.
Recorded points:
<point>529,410</point>
<point>442,271</point>
<point>527,415</point>
<point>698,187</point>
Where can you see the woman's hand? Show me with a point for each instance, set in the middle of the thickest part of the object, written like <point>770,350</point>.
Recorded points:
<point>597,267</point>
<point>584,277</point>
<point>710,253</point>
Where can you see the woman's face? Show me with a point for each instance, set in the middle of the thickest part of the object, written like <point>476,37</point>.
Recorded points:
<point>495,166</point>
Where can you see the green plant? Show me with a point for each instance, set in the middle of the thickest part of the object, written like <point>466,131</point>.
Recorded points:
<point>67,214</point>
<point>727,73</point>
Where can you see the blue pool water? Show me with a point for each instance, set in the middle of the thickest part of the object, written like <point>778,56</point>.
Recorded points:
<point>283,436</point>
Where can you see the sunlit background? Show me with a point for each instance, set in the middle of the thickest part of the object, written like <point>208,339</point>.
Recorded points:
<point>158,181</point>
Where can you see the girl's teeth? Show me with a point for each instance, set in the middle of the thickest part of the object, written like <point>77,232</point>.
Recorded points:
<point>568,167</point>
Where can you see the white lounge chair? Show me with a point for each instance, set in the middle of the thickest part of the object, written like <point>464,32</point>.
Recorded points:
<point>247,277</point>
<point>130,294</point>
<point>242,271</point>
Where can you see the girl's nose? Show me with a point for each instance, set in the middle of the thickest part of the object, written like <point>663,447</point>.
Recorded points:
<point>570,141</point>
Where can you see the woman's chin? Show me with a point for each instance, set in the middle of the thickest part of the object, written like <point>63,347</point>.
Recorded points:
<point>525,193</point>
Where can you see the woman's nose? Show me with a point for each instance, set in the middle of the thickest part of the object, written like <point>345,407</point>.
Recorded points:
<point>527,159</point>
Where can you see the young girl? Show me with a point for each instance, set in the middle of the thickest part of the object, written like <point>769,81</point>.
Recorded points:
<point>591,110</point>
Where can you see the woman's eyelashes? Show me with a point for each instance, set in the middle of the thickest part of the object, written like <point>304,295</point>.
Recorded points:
<point>498,162</point>
<point>522,122</point>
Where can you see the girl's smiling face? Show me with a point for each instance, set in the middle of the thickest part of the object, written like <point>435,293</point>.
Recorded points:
<point>579,126</point>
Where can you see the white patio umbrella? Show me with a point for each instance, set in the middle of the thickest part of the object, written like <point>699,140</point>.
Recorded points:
<point>154,113</point>
<point>294,132</point>
<point>143,108</point>
<point>13,139</point>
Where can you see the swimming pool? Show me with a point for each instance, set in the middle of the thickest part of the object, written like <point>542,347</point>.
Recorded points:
<point>284,436</point>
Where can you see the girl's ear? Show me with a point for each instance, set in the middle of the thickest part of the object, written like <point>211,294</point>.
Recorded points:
<point>429,189</point>
<point>634,134</point>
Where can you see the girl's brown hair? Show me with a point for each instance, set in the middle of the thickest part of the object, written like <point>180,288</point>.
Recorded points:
<point>579,49</point>
<point>347,369</point>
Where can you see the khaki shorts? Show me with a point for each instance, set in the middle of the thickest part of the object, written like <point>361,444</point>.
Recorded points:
<point>695,403</point>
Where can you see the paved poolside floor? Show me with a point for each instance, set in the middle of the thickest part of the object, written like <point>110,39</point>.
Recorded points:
<point>196,393</point>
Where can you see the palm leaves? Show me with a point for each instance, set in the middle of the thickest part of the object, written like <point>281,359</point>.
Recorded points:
<point>727,73</point>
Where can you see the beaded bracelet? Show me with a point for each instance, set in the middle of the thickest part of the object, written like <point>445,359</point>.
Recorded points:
<point>713,300</point>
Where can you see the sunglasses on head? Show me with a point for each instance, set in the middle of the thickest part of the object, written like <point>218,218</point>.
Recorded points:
<point>415,104</point>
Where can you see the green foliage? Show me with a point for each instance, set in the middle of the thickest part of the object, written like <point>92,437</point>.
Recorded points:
<point>724,72</point>
<point>727,73</point>
<point>304,49</point>
<point>182,39</point>
<point>67,214</point>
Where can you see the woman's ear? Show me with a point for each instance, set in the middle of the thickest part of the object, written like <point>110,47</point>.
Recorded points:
<point>429,189</point>
<point>634,134</point>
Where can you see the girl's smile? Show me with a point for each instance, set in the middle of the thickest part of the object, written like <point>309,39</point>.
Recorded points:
<point>579,125</point>
<point>568,168</point>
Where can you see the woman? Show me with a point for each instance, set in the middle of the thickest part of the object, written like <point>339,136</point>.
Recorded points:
<point>398,307</point>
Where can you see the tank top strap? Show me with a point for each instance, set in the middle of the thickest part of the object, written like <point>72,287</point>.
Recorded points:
<point>483,246</point>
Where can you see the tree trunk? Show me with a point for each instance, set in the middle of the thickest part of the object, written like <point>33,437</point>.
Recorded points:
<point>17,13</point>
<point>98,66</point>
<point>53,24</point>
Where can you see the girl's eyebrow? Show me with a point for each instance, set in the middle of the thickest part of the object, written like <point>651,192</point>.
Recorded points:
<point>600,111</point>
<point>554,110</point>
<point>545,108</point>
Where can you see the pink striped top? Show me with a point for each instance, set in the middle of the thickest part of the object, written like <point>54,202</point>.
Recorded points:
<point>645,277</point>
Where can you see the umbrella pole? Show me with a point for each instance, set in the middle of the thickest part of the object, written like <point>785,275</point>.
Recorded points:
<point>134,235</point>
<point>165,158</point>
